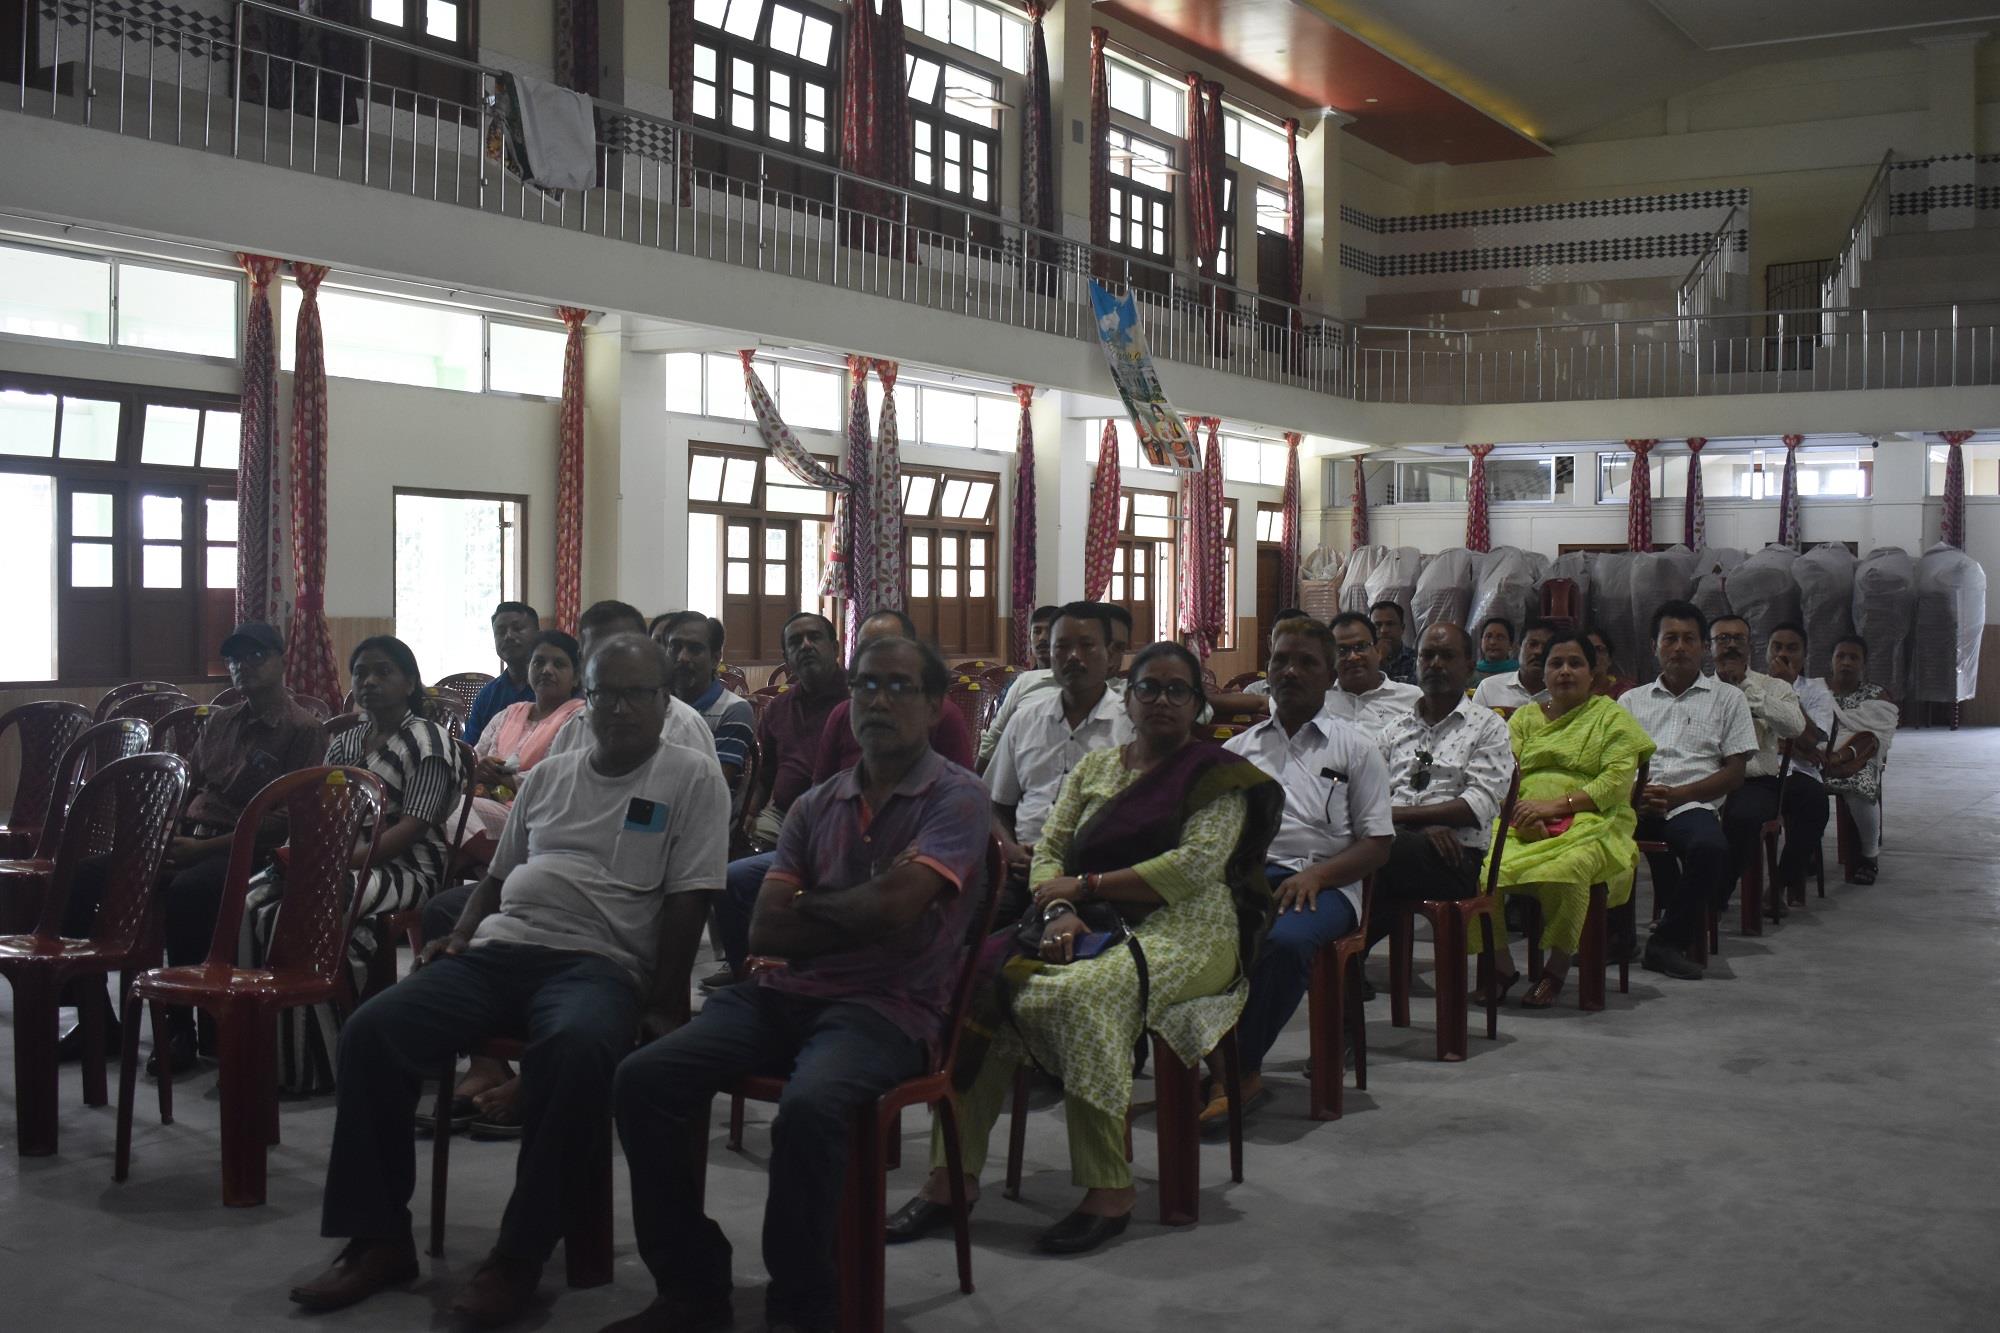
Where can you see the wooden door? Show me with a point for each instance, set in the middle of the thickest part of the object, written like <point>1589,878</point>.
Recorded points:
<point>92,574</point>
<point>162,574</point>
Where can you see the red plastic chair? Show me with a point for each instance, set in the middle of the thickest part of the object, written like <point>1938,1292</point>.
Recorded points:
<point>23,880</point>
<point>734,680</point>
<point>327,810</point>
<point>446,710</point>
<point>978,666</point>
<point>1334,1010</point>
<point>780,678</point>
<point>464,687</point>
<point>181,730</point>
<point>1763,868</point>
<point>1238,683</point>
<point>121,819</point>
<point>1451,925</point>
<point>877,1143</point>
<point>227,697</point>
<point>43,729</point>
<point>1562,602</point>
<point>313,704</point>
<point>153,705</point>
<point>118,694</point>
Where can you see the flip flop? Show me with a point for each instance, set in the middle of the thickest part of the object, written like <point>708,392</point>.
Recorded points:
<point>462,1113</point>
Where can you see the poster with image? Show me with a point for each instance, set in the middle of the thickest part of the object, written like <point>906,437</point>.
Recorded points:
<point>1163,436</point>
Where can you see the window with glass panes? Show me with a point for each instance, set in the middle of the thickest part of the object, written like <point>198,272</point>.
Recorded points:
<point>767,71</point>
<point>1225,251</point>
<point>117,529</point>
<point>954,131</point>
<point>1270,562</point>
<point>1141,196</point>
<point>756,546</point>
<point>449,27</point>
<point>1142,565</point>
<point>951,554</point>
<point>973,25</point>
<point>1228,639</point>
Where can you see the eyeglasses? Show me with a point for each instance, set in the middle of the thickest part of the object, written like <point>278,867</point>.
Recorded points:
<point>1152,691</point>
<point>250,658</point>
<point>1352,649</point>
<point>610,699</point>
<point>1420,774</point>
<point>867,689</point>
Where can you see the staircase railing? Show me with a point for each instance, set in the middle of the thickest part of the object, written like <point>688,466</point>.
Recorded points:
<point>1871,220</point>
<point>1707,283</point>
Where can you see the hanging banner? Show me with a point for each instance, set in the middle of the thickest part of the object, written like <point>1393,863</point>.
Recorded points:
<point>1163,436</point>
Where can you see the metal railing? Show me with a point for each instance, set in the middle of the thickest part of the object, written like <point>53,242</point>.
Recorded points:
<point>311,95</point>
<point>1707,283</point>
<point>1871,220</point>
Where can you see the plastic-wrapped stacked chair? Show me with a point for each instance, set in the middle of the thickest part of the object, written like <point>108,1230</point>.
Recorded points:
<point>1951,617</point>
<point>42,730</point>
<point>1825,576</point>
<point>1885,614</point>
<point>1763,591</point>
<point>121,820</point>
<point>329,812</point>
<point>1444,591</point>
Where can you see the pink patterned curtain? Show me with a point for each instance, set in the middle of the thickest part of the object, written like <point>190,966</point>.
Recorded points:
<point>1204,173</point>
<point>577,56</point>
<point>1295,235</point>
<point>1357,523</point>
<point>1038,147</point>
<point>1100,534</point>
<point>1100,159</point>
<point>1023,538</point>
<point>851,567</point>
<point>1214,596</point>
<point>1788,495</point>
<point>1639,511</point>
<point>886,504</point>
<point>569,476</point>
<point>1694,518</point>
<point>875,111</point>
<point>1951,527</point>
<point>1478,527</point>
<point>680,84</point>
<point>257,493</point>
<point>1288,553</point>
<point>309,666</point>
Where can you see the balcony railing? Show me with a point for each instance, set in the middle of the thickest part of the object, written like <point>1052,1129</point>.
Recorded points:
<point>270,85</point>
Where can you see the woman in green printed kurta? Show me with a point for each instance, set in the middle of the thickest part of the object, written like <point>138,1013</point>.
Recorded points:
<point>1573,823</point>
<point>1172,833</point>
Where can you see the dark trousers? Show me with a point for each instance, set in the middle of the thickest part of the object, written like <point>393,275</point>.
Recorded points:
<point>1805,815</point>
<point>1418,871</point>
<point>442,911</point>
<point>1284,967</point>
<point>735,904</point>
<point>1744,814</point>
<point>835,1056</point>
<point>1694,870</point>
<point>578,1011</point>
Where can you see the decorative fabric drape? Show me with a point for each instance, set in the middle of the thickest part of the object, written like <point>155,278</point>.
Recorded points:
<point>309,665</point>
<point>1694,518</point>
<point>1295,234</point>
<point>1357,521</point>
<point>1038,146</point>
<point>1639,510</point>
<point>1023,538</point>
<point>1788,495</point>
<point>1100,533</point>
<point>577,53</point>
<point>875,111</point>
<point>778,437</point>
<point>1204,178</point>
<point>1288,550</point>
<point>1951,526</point>
<point>680,85</point>
<point>1478,527</point>
<point>886,502</point>
<point>257,492</point>
<point>1201,602</point>
<point>569,476</point>
<point>1100,157</point>
<point>851,567</point>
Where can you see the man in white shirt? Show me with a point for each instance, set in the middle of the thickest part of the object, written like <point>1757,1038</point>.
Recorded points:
<point>584,929</point>
<point>1774,712</point>
<point>1336,829</point>
<point>1703,737</point>
<point>1054,730</point>
<point>1450,763</point>
<point>1509,690</point>
<point>1026,685</point>
<point>1364,695</point>
<point>1803,801</point>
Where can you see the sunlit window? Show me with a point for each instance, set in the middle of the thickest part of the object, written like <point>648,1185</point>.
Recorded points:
<point>524,358</point>
<point>456,557</point>
<point>396,342</point>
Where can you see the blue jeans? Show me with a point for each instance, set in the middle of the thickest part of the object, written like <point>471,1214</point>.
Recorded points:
<point>738,900</point>
<point>579,1012</point>
<point>836,1056</point>
<point>1284,967</point>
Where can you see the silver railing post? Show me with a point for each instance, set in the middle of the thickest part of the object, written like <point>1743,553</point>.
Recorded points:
<point>1464,366</point>
<point>87,76</point>
<point>763,178</point>
<point>236,93</point>
<point>1617,362</point>
<point>368,107</point>
<point>1954,342</point>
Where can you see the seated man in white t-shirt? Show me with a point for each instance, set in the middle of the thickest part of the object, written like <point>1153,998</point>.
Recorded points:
<point>581,936</point>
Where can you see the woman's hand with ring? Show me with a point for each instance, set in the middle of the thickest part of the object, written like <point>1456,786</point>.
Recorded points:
<point>1059,938</point>
<point>1058,887</point>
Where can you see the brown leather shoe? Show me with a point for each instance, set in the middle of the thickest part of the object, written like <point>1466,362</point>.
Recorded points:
<point>361,1269</point>
<point>501,1290</point>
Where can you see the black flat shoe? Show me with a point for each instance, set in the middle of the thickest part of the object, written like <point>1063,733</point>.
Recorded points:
<point>1080,1233</point>
<point>918,1218</point>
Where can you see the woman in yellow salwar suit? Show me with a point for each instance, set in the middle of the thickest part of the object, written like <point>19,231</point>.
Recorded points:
<point>1578,753</point>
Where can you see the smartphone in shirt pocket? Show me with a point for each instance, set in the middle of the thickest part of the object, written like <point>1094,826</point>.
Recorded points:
<point>640,857</point>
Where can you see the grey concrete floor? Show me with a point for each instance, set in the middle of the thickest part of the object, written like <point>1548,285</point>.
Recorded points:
<point>1794,1142</point>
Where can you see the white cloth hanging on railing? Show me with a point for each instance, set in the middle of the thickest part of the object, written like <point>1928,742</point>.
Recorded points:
<point>558,146</point>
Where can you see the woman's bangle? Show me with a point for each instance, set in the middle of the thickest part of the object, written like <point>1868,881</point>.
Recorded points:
<point>1056,907</point>
<point>1090,883</point>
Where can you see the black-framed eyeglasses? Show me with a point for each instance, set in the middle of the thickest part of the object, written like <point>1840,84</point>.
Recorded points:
<point>866,689</point>
<point>1152,691</point>
<point>610,699</point>
<point>1420,772</point>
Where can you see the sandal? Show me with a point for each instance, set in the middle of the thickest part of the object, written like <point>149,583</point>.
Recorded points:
<point>1864,871</point>
<point>1543,996</point>
<point>502,1122</point>
<point>1480,1000</point>
<point>462,1113</point>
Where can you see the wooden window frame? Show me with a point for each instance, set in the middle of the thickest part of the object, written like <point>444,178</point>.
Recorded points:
<point>750,649</point>
<point>739,161</point>
<point>979,635</point>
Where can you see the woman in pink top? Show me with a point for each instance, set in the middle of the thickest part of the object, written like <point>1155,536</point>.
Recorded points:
<point>519,737</point>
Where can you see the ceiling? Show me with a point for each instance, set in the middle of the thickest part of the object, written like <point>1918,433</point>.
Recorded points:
<point>1460,81</point>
